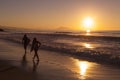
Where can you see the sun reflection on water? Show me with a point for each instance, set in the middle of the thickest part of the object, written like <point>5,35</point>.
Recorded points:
<point>87,45</point>
<point>87,34</point>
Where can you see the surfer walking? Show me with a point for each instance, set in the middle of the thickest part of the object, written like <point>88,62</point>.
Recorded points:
<point>25,42</point>
<point>35,47</point>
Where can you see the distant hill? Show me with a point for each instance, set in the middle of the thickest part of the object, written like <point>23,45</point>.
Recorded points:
<point>11,29</point>
<point>7,28</point>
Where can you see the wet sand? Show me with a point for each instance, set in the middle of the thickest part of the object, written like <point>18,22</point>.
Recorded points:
<point>10,72</point>
<point>52,66</point>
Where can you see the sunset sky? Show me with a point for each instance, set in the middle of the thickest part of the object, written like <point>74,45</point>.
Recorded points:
<point>60,14</point>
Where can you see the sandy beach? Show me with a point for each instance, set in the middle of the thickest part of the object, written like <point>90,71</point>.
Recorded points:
<point>52,65</point>
<point>59,40</point>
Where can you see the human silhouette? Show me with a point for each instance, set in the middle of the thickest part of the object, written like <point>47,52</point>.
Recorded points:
<point>35,47</point>
<point>25,42</point>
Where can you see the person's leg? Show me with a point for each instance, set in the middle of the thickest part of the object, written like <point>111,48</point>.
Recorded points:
<point>34,55</point>
<point>37,55</point>
<point>25,47</point>
<point>25,51</point>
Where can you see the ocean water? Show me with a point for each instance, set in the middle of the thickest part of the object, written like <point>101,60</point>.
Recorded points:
<point>99,44</point>
<point>99,33</point>
<point>104,42</point>
<point>107,42</point>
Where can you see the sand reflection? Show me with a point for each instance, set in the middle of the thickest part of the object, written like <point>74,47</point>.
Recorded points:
<point>83,67</point>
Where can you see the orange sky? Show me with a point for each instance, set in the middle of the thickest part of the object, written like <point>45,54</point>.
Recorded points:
<point>60,14</point>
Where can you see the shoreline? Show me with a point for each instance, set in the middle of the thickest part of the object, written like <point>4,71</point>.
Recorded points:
<point>93,57</point>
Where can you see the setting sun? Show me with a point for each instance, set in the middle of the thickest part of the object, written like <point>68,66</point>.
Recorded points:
<point>88,22</point>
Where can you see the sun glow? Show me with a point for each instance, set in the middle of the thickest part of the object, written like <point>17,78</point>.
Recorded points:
<point>88,31</point>
<point>88,24</point>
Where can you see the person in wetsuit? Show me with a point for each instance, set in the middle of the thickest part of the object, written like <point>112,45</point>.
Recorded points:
<point>25,42</point>
<point>35,47</point>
